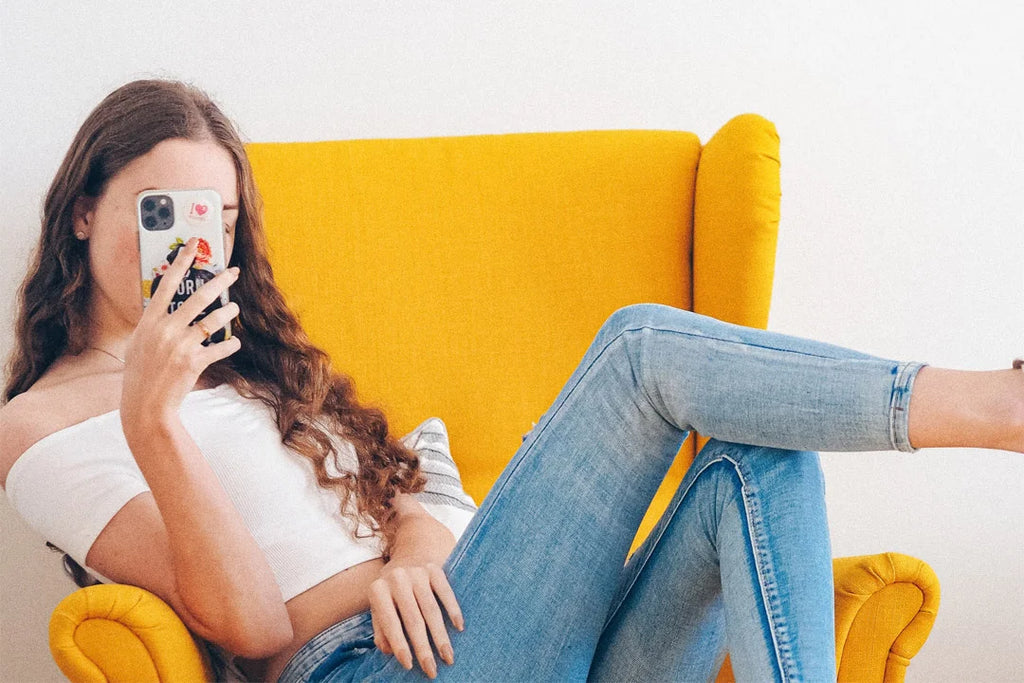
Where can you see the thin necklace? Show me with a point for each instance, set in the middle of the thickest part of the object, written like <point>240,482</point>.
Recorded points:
<point>108,353</point>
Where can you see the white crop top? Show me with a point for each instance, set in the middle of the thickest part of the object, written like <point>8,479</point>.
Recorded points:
<point>69,484</point>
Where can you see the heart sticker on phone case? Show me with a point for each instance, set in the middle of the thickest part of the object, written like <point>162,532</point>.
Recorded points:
<point>197,213</point>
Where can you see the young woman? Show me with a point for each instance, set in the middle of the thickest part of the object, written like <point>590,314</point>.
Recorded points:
<point>535,587</point>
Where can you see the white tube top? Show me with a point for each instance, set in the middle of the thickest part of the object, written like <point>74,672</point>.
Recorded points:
<point>69,484</point>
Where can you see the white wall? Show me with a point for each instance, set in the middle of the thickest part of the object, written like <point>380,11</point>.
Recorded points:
<point>901,213</point>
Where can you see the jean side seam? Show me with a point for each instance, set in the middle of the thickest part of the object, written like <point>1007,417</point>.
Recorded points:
<point>649,326</point>
<point>644,364</point>
<point>766,576</point>
<point>657,539</point>
<point>764,570</point>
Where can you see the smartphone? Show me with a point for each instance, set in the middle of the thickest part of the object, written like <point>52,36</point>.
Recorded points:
<point>166,221</point>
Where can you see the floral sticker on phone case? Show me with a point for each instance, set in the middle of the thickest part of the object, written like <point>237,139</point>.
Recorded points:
<point>194,278</point>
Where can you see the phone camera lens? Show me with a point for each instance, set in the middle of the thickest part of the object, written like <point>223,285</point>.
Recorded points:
<point>149,222</point>
<point>164,212</point>
<point>148,204</point>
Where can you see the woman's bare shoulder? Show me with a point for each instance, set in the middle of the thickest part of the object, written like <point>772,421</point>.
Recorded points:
<point>21,425</point>
<point>56,401</point>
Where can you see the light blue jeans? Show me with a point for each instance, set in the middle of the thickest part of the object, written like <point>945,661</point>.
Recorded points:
<point>740,560</point>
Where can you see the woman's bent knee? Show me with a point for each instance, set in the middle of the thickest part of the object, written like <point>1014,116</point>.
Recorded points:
<point>634,316</point>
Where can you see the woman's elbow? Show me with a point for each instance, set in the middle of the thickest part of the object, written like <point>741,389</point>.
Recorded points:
<point>239,628</point>
<point>257,641</point>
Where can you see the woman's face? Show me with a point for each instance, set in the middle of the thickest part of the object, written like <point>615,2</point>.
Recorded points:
<point>110,221</point>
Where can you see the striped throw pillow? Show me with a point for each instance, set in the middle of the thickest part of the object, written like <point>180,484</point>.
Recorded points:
<point>443,497</point>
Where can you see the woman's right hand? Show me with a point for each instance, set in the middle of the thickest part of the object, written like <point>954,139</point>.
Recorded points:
<point>165,356</point>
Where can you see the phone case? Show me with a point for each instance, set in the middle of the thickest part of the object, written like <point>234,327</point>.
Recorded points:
<point>166,221</point>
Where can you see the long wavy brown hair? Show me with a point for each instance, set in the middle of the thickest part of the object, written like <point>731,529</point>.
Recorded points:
<point>277,363</point>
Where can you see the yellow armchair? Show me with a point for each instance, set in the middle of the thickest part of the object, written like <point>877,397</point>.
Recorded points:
<point>465,276</point>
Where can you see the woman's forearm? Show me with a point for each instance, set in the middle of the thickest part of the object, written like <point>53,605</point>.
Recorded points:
<point>222,576</point>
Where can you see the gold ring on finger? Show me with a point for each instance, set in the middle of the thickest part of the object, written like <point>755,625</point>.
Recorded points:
<point>202,328</point>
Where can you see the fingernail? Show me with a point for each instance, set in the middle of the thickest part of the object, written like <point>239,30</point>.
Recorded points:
<point>449,655</point>
<point>431,668</point>
<point>235,269</point>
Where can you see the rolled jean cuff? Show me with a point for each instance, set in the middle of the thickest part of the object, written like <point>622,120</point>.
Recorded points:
<point>899,423</point>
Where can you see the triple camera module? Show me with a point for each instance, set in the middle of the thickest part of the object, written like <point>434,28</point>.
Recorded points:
<point>157,212</point>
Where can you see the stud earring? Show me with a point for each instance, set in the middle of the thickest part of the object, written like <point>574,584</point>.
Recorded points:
<point>80,235</point>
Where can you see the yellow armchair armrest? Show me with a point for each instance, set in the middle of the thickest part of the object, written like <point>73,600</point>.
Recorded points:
<point>115,632</point>
<point>885,608</point>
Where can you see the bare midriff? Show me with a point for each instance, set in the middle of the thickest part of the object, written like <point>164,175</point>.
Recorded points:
<point>344,595</point>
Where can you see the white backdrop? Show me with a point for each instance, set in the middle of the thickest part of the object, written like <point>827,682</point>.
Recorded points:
<point>901,212</point>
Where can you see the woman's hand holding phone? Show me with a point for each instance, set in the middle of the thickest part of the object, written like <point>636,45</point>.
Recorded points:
<point>165,355</point>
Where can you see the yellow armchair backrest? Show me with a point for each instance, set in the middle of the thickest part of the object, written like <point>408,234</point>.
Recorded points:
<point>464,277</point>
